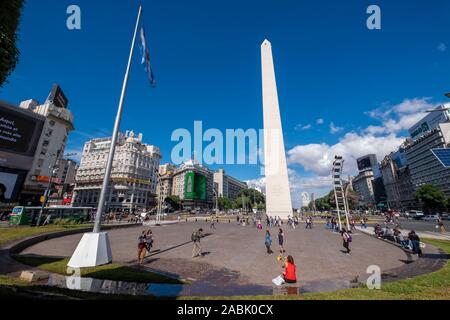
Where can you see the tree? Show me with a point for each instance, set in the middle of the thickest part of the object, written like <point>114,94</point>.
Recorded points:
<point>225,203</point>
<point>174,202</point>
<point>431,198</point>
<point>9,20</point>
<point>254,198</point>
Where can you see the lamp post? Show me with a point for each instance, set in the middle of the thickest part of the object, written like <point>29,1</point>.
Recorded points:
<point>217,200</point>
<point>94,248</point>
<point>53,171</point>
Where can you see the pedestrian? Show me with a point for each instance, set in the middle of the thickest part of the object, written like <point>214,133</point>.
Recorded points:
<point>268,242</point>
<point>290,271</point>
<point>415,243</point>
<point>281,240</point>
<point>149,240</point>
<point>213,225</point>
<point>260,226</point>
<point>363,223</point>
<point>141,248</point>
<point>197,249</point>
<point>346,241</point>
<point>440,226</point>
<point>308,223</point>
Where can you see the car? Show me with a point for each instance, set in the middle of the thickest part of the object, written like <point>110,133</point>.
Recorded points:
<point>415,214</point>
<point>431,217</point>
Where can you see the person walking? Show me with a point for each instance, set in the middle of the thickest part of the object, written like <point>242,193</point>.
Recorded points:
<point>141,252</point>
<point>149,240</point>
<point>440,226</point>
<point>268,242</point>
<point>346,241</point>
<point>281,240</point>
<point>197,249</point>
<point>308,223</point>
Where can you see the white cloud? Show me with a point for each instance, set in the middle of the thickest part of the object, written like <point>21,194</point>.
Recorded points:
<point>334,129</point>
<point>442,47</point>
<point>320,121</point>
<point>400,117</point>
<point>301,127</point>
<point>318,158</point>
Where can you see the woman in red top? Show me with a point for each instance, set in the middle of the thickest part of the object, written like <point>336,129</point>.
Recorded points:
<point>290,273</point>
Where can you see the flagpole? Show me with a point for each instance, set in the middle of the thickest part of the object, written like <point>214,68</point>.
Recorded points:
<point>102,200</point>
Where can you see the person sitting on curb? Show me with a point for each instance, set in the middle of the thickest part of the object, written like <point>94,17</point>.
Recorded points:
<point>290,271</point>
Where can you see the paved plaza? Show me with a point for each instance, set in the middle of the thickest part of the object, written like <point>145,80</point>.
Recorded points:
<point>236,256</point>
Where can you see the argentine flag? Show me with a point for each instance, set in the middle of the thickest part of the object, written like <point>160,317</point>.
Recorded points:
<point>146,59</point>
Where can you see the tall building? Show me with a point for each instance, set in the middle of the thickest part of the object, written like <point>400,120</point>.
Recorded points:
<point>227,186</point>
<point>397,181</point>
<point>52,143</point>
<point>134,174</point>
<point>165,182</point>
<point>193,183</point>
<point>362,184</point>
<point>424,167</point>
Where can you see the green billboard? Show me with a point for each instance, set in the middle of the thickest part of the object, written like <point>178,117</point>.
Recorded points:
<point>195,186</point>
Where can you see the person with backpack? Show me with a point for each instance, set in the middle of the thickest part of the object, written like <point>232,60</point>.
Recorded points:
<point>141,248</point>
<point>268,242</point>
<point>197,249</point>
<point>347,238</point>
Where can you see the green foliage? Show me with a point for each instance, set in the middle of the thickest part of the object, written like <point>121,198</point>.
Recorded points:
<point>431,197</point>
<point>252,199</point>
<point>225,204</point>
<point>174,202</point>
<point>9,20</point>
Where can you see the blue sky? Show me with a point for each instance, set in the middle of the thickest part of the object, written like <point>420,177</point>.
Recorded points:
<point>366,86</point>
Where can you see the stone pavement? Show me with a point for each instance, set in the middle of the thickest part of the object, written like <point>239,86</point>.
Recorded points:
<point>235,256</point>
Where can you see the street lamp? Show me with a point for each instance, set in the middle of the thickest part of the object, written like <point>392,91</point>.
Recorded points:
<point>217,200</point>
<point>54,170</point>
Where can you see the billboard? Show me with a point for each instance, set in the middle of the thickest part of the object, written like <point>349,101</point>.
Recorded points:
<point>428,123</point>
<point>364,163</point>
<point>20,131</point>
<point>195,186</point>
<point>57,97</point>
<point>11,182</point>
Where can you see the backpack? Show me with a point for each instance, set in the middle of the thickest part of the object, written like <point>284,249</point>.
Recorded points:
<point>194,236</point>
<point>350,239</point>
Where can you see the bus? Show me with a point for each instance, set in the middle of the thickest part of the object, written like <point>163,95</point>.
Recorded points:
<point>28,216</point>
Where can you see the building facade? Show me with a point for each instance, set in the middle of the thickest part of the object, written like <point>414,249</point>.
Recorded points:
<point>362,184</point>
<point>165,183</point>
<point>193,183</point>
<point>227,186</point>
<point>52,143</point>
<point>134,174</point>
<point>424,167</point>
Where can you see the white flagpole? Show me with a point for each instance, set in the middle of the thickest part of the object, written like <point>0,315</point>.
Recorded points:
<point>102,200</point>
<point>94,248</point>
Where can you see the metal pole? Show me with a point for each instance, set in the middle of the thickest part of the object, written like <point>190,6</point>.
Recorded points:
<point>47,190</point>
<point>101,203</point>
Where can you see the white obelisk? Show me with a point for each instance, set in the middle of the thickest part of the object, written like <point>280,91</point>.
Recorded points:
<point>278,195</point>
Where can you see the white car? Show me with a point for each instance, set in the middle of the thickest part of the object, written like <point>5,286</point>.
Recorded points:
<point>431,217</point>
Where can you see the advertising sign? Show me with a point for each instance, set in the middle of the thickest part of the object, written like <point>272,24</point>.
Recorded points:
<point>20,131</point>
<point>195,187</point>
<point>364,163</point>
<point>428,123</point>
<point>11,182</point>
<point>57,97</point>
